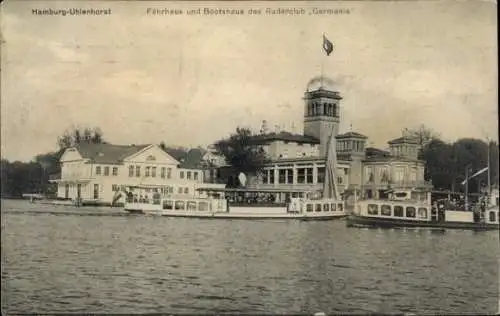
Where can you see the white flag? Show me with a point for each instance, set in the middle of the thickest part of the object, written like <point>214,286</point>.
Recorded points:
<point>474,175</point>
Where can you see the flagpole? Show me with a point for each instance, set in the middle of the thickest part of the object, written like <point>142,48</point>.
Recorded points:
<point>489,174</point>
<point>322,62</point>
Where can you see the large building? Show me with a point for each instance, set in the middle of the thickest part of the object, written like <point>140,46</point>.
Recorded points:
<point>96,172</point>
<point>298,160</point>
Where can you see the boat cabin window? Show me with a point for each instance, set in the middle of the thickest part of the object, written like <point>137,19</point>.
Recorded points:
<point>156,198</point>
<point>179,205</point>
<point>309,207</point>
<point>385,210</point>
<point>410,212</point>
<point>372,209</point>
<point>341,208</point>
<point>333,207</point>
<point>493,217</point>
<point>326,207</point>
<point>168,205</point>
<point>422,212</point>
<point>398,211</point>
<point>191,206</point>
<point>203,206</point>
<point>318,207</point>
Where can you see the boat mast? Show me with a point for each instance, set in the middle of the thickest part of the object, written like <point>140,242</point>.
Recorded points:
<point>466,187</point>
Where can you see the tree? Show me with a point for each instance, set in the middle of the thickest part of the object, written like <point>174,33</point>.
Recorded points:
<point>76,137</point>
<point>242,154</point>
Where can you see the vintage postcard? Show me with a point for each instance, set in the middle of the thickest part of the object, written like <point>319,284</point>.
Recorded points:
<point>249,157</point>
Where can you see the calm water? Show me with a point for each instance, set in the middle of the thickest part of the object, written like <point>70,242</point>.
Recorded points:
<point>136,264</point>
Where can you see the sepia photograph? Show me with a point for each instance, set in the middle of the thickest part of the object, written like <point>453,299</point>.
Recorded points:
<point>249,157</point>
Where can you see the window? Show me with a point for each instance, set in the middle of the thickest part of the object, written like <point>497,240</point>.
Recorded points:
<point>309,175</point>
<point>179,205</point>
<point>341,208</point>
<point>385,210</point>
<point>153,172</point>
<point>309,207</point>
<point>96,191</point>
<point>326,207</point>
<point>98,170</point>
<point>169,173</point>
<point>203,206</point>
<point>321,174</point>
<point>156,199</point>
<point>372,209</point>
<point>411,212</point>
<point>271,176</point>
<point>131,171</point>
<point>318,207</point>
<point>163,169</point>
<point>333,207</point>
<point>181,174</point>
<point>115,171</point>
<point>301,175</point>
<point>114,188</point>
<point>282,176</point>
<point>186,190</point>
<point>179,190</point>
<point>493,217</point>
<point>137,171</point>
<point>422,212</point>
<point>188,175</point>
<point>171,190</point>
<point>147,171</point>
<point>66,191</point>
<point>191,206</point>
<point>106,171</point>
<point>265,176</point>
<point>168,205</point>
<point>289,176</point>
<point>195,175</point>
<point>398,211</point>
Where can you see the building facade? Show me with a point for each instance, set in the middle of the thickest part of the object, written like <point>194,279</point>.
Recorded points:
<point>97,172</point>
<point>298,160</point>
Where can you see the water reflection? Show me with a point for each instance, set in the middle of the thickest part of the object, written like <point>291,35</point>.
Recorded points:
<point>161,265</point>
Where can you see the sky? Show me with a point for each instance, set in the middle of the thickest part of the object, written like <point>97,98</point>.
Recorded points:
<point>191,80</point>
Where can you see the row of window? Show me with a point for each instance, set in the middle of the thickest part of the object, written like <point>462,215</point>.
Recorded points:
<point>304,176</point>
<point>324,109</point>
<point>163,190</point>
<point>99,171</point>
<point>399,211</point>
<point>325,207</point>
<point>164,173</point>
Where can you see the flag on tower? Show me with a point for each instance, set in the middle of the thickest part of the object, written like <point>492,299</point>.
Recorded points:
<point>327,45</point>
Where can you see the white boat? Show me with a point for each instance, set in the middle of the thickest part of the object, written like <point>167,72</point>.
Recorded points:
<point>220,207</point>
<point>401,210</point>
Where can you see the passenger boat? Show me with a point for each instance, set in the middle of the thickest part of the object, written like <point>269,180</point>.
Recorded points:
<point>220,205</point>
<point>401,210</point>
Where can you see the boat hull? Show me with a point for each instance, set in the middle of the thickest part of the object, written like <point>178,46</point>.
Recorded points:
<point>355,220</point>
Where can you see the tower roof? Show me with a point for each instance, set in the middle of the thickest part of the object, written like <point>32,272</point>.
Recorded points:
<point>321,82</point>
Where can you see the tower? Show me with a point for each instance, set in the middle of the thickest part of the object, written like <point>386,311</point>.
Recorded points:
<point>321,111</point>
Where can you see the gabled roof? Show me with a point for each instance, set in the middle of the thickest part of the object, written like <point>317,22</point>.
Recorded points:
<point>403,140</point>
<point>107,153</point>
<point>178,153</point>
<point>351,135</point>
<point>193,159</point>
<point>375,152</point>
<point>284,136</point>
